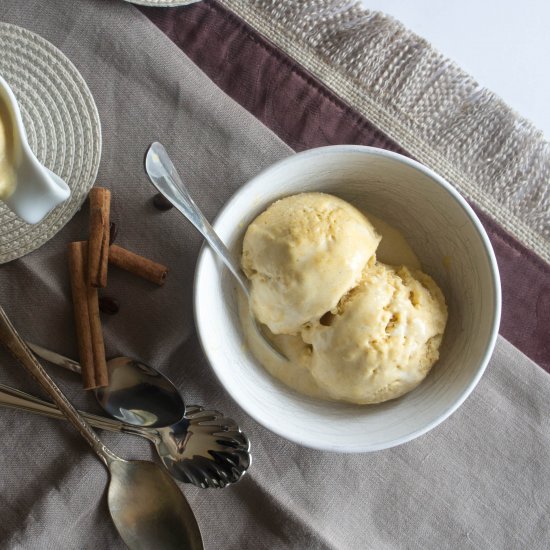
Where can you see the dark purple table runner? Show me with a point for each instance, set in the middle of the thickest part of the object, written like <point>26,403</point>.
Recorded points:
<point>304,113</point>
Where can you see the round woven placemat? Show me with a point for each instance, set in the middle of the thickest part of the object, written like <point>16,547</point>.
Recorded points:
<point>63,130</point>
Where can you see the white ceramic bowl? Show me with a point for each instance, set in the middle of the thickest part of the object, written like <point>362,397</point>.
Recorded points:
<point>453,248</point>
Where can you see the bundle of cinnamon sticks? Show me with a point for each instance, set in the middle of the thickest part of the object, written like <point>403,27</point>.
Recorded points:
<point>88,268</point>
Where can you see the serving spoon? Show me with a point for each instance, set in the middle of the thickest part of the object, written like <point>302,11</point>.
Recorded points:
<point>205,448</point>
<point>147,507</point>
<point>137,394</point>
<point>165,178</point>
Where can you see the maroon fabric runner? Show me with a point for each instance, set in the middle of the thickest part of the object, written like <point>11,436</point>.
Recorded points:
<point>305,114</point>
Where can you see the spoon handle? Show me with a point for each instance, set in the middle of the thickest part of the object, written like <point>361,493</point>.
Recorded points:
<point>17,399</point>
<point>165,178</point>
<point>15,344</point>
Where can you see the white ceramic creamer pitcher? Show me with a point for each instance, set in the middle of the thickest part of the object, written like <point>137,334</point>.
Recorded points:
<point>29,189</point>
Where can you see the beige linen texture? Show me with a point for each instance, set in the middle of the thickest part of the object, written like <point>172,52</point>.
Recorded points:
<point>480,480</point>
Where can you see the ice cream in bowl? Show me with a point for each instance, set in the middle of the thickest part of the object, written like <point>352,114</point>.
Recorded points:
<point>376,280</point>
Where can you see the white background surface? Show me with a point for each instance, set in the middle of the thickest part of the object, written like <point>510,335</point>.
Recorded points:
<point>505,47</point>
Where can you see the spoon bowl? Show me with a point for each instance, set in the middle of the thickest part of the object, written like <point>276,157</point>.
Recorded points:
<point>204,448</point>
<point>137,394</point>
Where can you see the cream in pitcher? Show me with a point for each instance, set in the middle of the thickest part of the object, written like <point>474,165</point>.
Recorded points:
<point>29,189</point>
<point>7,171</point>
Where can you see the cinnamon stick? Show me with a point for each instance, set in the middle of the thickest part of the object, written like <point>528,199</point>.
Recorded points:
<point>138,265</point>
<point>98,249</point>
<point>88,325</point>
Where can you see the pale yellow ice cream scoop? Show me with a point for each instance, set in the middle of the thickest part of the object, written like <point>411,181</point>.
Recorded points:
<point>302,255</point>
<point>383,339</point>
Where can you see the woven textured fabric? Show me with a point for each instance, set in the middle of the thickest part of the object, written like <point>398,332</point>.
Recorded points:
<point>477,481</point>
<point>62,126</point>
<point>421,100</point>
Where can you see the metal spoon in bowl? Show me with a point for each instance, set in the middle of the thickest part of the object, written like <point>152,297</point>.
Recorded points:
<point>148,509</point>
<point>165,178</point>
<point>137,394</point>
<point>205,448</point>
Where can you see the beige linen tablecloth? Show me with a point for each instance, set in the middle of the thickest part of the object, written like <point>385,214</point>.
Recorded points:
<point>480,480</point>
